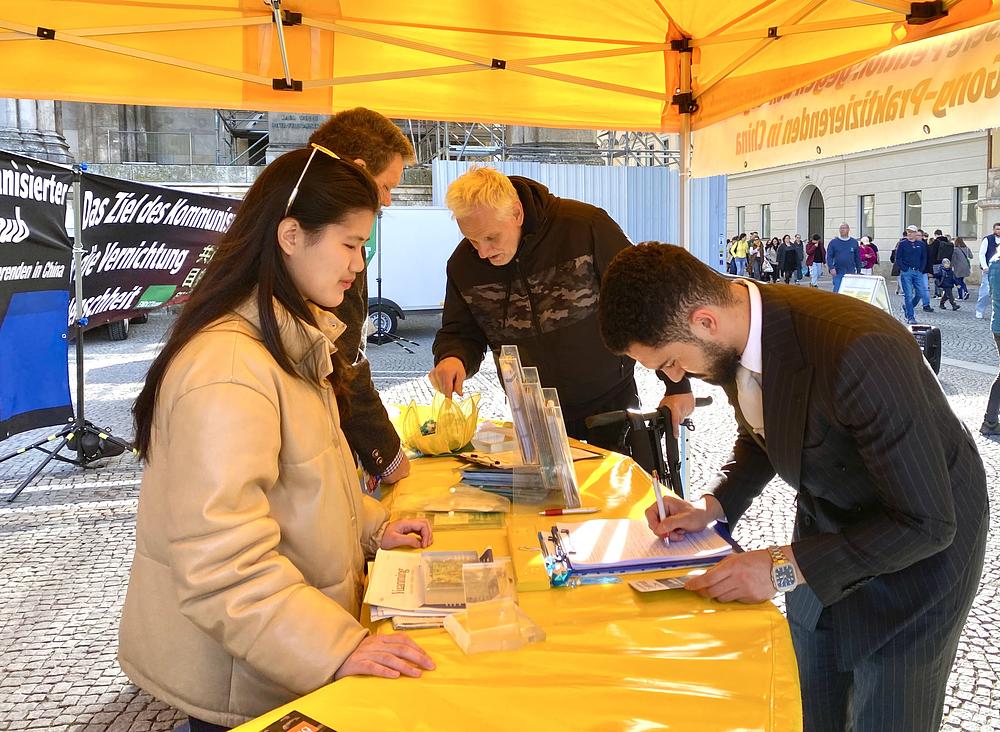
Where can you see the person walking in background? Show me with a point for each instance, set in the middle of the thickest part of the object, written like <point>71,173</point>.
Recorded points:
<point>786,258</point>
<point>869,257</point>
<point>800,255</point>
<point>991,423</point>
<point>755,253</point>
<point>815,258</point>
<point>773,266</point>
<point>934,259</point>
<point>911,257</point>
<point>947,279</point>
<point>739,252</point>
<point>961,263</point>
<point>843,256</point>
<point>988,248</point>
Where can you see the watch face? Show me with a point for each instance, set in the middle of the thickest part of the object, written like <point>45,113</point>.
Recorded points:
<point>784,577</point>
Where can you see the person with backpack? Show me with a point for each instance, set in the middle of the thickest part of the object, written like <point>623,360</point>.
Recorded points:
<point>961,263</point>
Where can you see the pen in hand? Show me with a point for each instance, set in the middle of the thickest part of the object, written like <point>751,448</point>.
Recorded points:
<point>659,501</point>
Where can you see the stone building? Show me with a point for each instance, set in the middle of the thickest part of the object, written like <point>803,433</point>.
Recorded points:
<point>951,183</point>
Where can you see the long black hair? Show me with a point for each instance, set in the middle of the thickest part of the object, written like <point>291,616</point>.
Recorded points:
<point>248,256</point>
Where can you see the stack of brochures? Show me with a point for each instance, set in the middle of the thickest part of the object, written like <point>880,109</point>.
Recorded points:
<point>416,590</point>
<point>495,472</point>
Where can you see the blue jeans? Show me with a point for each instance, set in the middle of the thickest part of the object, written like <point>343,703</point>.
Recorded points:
<point>816,270</point>
<point>984,296</point>
<point>741,266</point>
<point>962,289</point>
<point>837,278</point>
<point>914,285</point>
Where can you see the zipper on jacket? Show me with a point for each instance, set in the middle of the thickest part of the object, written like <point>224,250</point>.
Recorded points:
<point>531,303</point>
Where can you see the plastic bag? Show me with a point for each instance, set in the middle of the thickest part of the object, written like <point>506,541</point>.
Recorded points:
<point>442,427</point>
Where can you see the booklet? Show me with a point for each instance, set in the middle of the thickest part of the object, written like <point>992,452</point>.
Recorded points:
<point>628,544</point>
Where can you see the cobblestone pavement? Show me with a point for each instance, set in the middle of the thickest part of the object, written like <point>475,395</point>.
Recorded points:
<point>66,543</point>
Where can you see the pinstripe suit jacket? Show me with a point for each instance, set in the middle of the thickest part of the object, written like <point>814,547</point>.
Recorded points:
<point>891,491</point>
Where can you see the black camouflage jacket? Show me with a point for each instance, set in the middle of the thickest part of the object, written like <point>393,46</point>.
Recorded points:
<point>544,301</point>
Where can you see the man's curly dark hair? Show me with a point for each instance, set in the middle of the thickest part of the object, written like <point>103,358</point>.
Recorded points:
<point>649,292</point>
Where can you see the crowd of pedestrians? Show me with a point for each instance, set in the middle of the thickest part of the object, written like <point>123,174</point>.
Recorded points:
<point>791,260</point>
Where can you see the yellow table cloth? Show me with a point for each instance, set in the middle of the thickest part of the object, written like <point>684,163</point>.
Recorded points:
<point>613,659</point>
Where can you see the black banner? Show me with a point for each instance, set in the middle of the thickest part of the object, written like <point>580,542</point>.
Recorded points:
<point>144,246</point>
<point>35,254</point>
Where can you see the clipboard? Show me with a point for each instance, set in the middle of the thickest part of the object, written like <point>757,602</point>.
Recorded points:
<point>557,553</point>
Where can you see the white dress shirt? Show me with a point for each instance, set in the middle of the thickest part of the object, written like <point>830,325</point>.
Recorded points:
<point>750,373</point>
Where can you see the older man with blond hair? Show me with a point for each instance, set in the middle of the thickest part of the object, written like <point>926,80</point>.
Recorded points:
<point>528,274</point>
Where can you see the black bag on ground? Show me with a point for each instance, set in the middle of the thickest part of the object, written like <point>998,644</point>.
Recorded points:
<point>929,339</point>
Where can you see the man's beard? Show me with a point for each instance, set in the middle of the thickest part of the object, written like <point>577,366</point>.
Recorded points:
<point>721,364</point>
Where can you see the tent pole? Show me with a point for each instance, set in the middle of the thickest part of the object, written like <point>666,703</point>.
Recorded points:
<point>276,7</point>
<point>685,152</point>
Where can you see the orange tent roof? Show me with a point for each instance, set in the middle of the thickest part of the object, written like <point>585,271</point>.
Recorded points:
<point>561,63</point>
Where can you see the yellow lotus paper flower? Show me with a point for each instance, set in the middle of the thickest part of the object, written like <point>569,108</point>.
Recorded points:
<point>441,427</point>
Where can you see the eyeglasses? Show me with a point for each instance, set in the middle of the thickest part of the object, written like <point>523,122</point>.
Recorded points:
<point>295,189</point>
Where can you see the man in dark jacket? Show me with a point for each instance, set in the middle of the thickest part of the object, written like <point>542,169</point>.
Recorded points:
<point>528,274</point>
<point>376,144</point>
<point>891,509</point>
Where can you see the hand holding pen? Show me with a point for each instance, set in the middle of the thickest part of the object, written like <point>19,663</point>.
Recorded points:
<point>680,516</point>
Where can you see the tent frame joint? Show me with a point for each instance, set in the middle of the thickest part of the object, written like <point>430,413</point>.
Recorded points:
<point>46,34</point>
<point>682,45</point>
<point>291,18</point>
<point>685,103</point>
<point>772,32</point>
<point>283,85</point>
<point>498,63</point>
<point>926,12</point>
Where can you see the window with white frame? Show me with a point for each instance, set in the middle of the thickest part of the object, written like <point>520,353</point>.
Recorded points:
<point>741,220</point>
<point>966,213</point>
<point>912,208</point>
<point>866,216</point>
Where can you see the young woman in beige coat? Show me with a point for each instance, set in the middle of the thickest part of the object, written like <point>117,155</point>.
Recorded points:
<point>252,532</point>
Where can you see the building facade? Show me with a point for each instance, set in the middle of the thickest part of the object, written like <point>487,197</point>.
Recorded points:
<point>945,184</point>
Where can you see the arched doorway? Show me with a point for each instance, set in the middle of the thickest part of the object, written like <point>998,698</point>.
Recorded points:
<point>811,212</point>
<point>816,214</point>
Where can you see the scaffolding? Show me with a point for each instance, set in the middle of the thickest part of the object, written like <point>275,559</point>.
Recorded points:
<point>243,140</point>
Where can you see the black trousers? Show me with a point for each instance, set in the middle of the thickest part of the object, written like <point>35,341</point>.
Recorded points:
<point>948,295</point>
<point>993,405</point>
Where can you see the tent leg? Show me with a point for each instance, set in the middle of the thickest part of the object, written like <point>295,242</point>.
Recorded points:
<point>685,157</point>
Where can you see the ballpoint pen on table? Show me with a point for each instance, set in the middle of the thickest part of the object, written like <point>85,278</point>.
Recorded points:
<point>659,501</point>
<point>566,511</point>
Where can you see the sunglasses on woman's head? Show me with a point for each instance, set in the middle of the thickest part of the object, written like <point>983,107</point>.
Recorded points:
<point>295,189</point>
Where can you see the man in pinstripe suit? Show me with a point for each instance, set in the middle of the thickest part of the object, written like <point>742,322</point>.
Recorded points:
<point>834,396</point>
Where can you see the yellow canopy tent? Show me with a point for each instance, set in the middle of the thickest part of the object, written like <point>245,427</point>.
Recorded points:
<point>663,65</point>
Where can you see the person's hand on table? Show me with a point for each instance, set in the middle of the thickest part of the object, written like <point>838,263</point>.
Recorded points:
<point>742,577</point>
<point>402,470</point>
<point>680,406</point>
<point>388,656</point>
<point>448,376</point>
<point>414,533</point>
